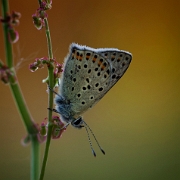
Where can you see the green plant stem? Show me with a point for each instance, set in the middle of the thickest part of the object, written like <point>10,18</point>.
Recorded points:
<point>46,152</point>
<point>50,99</point>
<point>34,158</point>
<point>8,47</point>
<point>18,97</point>
<point>48,36</point>
<point>23,110</point>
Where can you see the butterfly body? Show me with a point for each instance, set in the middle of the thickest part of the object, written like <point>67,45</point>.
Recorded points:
<point>88,75</point>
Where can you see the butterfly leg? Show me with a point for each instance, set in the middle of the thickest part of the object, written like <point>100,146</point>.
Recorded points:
<point>53,91</point>
<point>54,110</point>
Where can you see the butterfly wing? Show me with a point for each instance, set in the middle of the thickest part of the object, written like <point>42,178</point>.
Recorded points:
<point>89,74</point>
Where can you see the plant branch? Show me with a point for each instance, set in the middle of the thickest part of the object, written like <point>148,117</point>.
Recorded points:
<point>18,97</point>
<point>8,47</point>
<point>50,99</point>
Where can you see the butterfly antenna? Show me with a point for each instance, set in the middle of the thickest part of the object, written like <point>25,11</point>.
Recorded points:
<point>90,142</point>
<point>53,91</point>
<point>94,138</point>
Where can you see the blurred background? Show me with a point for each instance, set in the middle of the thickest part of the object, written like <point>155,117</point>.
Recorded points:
<point>137,122</point>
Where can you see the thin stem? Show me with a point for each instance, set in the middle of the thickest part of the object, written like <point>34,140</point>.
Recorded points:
<point>46,153</point>
<point>23,110</point>
<point>35,158</point>
<point>48,36</point>
<point>50,99</point>
<point>40,1</point>
<point>18,97</point>
<point>8,46</point>
<point>16,91</point>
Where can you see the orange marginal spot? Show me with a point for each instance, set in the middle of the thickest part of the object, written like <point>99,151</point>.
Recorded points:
<point>73,53</point>
<point>99,63</point>
<point>80,57</point>
<point>112,57</point>
<point>118,59</point>
<point>87,57</point>
<point>77,55</point>
<point>103,67</point>
<point>94,58</point>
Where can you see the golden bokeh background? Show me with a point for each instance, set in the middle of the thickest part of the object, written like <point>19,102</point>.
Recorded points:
<point>137,122</point>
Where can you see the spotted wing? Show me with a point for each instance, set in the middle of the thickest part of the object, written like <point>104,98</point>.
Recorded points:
<point>89,74</point>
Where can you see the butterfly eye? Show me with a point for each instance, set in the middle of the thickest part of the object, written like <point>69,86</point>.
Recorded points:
<point>78,123</point>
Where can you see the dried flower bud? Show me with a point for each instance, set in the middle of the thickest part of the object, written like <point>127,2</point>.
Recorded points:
<point>46,5</point>
<point>7,75</point>
<point>37,22</point>
<point>15,22</point>
<point>59,67</point>
<point>57,71</point>
<point>44,60</point>
<point>16,15</point>
<point>6,20</point>
<point>58,127</point>
<point>43,14</point>
<point>13,35</point>
<point>33,67</point>
<point>48,1</point>
<point>26,140</point>
<point>43,129</point>
<point>4,77</point>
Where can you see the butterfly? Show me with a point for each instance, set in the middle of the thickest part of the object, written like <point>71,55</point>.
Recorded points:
<point>88,75</point>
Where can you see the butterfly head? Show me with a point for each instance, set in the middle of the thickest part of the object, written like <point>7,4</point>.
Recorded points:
<point>77,123</point>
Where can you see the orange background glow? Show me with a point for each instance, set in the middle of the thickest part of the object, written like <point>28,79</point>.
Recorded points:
<point>137,122</point>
